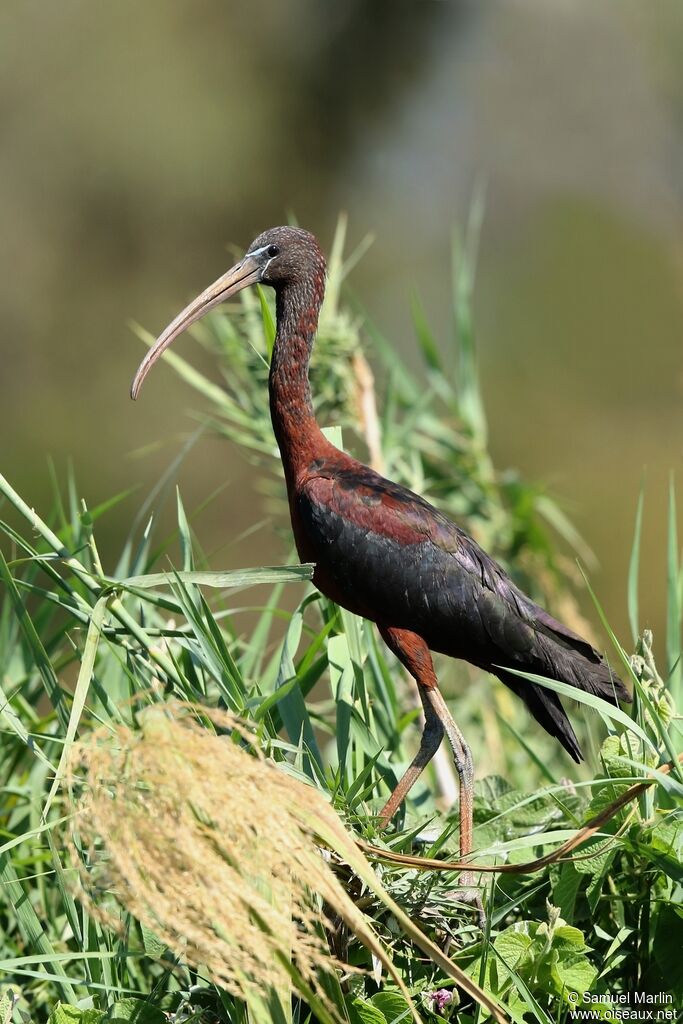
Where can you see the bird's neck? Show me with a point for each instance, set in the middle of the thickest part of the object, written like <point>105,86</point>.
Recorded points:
<point>298,435</point>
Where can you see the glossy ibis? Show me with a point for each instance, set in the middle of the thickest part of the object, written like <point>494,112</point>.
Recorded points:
<point>384,552</point>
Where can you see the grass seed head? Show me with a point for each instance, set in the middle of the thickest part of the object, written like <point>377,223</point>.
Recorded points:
<point>210,846</point>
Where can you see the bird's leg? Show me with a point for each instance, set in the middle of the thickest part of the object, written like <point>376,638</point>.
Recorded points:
<point>464,766</point>
<point>412,651</point>
<point>432,734</point>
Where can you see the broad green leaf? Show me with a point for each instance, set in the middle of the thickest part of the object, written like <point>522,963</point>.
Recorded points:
<point>578,976</point>
<point>361,1012</point>
<point>566,890</point>
<point>7,1000</point>
<point>134,1011</point>
<point>393,1005</point>
<point>154,947</point>
<point>667,947</point>
<point>63,1013</point>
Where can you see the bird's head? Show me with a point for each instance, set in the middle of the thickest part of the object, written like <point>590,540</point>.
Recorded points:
<point>288,256</point>
<point>279,257</point>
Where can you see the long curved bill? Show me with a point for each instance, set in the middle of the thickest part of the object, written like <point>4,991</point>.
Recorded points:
<point>244,273</point>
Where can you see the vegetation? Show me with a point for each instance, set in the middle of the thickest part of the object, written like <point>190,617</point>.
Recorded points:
<point>86,647</point>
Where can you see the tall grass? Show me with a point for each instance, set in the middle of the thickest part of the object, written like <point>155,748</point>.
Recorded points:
<point>88,643</point>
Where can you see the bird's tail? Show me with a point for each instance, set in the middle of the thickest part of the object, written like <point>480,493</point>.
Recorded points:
<point>563,655</point>
<point>547,709</point>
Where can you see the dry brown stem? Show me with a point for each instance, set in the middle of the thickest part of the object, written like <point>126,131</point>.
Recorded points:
<point>561,853</point>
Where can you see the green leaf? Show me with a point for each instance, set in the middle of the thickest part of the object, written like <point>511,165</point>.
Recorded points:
<point>578,976</point>
<point>64,1013</point>
<point>667,948</point>
<point>393,1005</point>
<point>566,889</point>
<point>490,789</point>
<point>524,999</point>
<point>597,864</point>
<point>571,969</point>
<point>184,534</point>
<point>134,1011</point>
<point>7,1000</point>
<point>292,706</point>
<point>662,844</point>
<point>513,945</point>
<point>361,1012</point>
<point>566,936</point>
<point>341,682</point>
<point>152,944</point>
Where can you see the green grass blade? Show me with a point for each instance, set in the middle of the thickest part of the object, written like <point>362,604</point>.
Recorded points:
<point>268,320</point>
<point>423,332</point>
<point>633,571</point>
<point>185,535</point>
<point>20,908</point>
<point>673,617</point>
<point>15,725</point>
<point>42,661</point>
<point>538,761</point>
<point>292,707</point>
<point>85,675</point>
<point>554,515</point>
<point>603,708</point>
<point>643,697</point>
<point>470,403</point>
<point>334,270</point>
<point>222,580</point>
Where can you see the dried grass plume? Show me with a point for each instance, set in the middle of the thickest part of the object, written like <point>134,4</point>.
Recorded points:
<point>217,851</point>
<point>209,845</point>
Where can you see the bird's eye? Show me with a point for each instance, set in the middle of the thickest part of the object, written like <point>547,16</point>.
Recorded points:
<point>272,251</point>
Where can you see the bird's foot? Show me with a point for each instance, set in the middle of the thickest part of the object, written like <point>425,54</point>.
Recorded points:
<point>468,894</point>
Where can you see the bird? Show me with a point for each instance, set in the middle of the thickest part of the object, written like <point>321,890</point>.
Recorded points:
<point>384,552</point>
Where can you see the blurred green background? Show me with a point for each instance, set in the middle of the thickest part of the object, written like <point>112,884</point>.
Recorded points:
<point>140,142</point>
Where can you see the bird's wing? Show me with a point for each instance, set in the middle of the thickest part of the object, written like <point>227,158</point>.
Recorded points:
<point>387,554</point>
<point>387,548</point>
<point>389,551</point>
